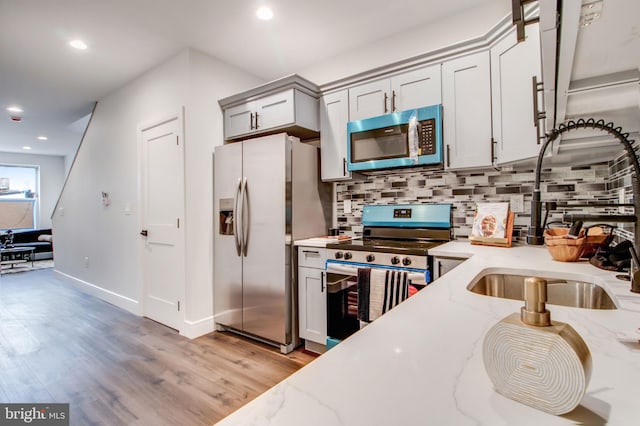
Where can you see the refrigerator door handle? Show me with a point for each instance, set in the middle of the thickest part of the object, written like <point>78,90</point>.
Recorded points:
<point>236,218</point>
<point>246,216</point>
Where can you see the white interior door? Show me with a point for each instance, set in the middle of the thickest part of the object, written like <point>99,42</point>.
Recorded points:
<point>162,207</point>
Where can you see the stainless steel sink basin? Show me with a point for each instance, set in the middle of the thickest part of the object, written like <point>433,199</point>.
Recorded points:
<point>576,294</point>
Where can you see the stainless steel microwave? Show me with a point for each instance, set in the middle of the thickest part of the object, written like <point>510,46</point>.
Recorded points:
<point>400,139</point>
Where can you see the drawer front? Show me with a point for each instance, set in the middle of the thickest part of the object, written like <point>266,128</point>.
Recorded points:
<point>312,257</point>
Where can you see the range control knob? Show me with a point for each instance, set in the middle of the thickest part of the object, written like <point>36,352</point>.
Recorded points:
<point>395,260</point>
<point>370,258</point>
<point>347,256</point>
<point>406,261</point>
<point>338,255</point>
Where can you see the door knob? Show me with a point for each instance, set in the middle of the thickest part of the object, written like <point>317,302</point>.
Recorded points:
<point>144,232</point>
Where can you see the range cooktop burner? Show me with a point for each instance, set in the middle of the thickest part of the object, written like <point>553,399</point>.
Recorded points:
<point>378,245</point>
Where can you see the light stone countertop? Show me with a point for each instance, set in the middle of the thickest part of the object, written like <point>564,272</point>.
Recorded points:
<point>421,363</point>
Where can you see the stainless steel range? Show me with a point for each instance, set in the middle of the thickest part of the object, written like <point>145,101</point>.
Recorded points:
<point>395,237</point>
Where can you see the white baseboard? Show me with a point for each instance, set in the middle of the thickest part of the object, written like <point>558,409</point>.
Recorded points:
<point>116,299</point>
<point>193,329</point>
<point>189,329</point>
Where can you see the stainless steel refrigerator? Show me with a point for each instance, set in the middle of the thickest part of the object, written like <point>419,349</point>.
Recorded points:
<point>267,195</point>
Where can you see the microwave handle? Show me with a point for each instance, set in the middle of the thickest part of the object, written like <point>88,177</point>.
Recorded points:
<point>448,155</point>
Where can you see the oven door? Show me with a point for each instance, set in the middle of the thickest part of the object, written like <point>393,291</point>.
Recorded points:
<point>342,294</point>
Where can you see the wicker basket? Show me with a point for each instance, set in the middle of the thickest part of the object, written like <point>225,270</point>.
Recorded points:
<point>562,248</point>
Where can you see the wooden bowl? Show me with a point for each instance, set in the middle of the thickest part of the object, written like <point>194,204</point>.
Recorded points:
<point>596,238</point>
<point>561,247</point>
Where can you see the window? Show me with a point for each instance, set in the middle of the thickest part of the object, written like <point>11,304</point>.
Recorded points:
<point>18,181</point>
<point>18,189</point>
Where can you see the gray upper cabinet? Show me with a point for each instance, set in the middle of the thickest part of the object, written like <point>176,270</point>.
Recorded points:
<point>513,66</point>
<point>466,105</point>
<point>334,115</point>
<point>289,104</point>
<point>412,89</point>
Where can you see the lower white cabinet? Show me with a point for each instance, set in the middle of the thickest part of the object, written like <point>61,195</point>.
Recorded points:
<point>312,297</point>
<point>442,265</point>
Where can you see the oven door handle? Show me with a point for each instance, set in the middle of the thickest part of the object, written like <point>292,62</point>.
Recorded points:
<point>351,268</point>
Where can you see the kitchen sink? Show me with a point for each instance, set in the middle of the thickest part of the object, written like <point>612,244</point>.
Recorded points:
<point>576,294</point>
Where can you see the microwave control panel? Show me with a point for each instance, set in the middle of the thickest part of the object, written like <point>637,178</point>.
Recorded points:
<point>427,137</point>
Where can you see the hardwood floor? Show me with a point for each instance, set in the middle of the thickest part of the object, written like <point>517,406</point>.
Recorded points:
<point>114,368</point>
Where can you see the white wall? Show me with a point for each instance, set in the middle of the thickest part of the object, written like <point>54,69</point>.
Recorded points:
<point>52,175</point>
<point>108,161</point>
<point>466,25</point>
<point>209,80</point>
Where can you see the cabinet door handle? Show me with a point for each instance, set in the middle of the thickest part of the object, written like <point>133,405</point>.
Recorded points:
<point>322,275</point>
<point>448,156</point>
<point>534,86</point>
<point>493,150</point>
<point>257,120</point>
<point>386,97</point>
<point>537,115</point>
<point>393,101</point>
<point>251,121</point>
<point>344,166</point>
<point>439,269</point>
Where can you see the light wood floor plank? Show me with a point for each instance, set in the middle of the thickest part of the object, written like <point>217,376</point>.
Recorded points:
<point>114,368</point>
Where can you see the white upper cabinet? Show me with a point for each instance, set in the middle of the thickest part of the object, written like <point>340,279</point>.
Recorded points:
<point>274,110</point>
<point>416,89</point>
<point>466,105</point>
<point>369,99</point>
<point>279,110</point>
<point>334,115</point>
<point>513,66</point>
<point>289,104</point>
<point>412,89</point>
<point>238,120</point>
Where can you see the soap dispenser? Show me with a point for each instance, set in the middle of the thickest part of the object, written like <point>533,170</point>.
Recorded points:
<point>541,363</point>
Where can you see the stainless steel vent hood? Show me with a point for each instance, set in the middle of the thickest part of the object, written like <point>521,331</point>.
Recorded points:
<point>591,68</point>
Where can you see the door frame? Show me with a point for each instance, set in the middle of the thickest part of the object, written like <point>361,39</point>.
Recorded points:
<point>177,114</point>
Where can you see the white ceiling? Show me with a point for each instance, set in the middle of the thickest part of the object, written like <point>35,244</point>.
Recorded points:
<point>57,85</point>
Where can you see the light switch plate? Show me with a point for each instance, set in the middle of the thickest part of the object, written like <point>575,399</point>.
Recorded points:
<point>346,206</point>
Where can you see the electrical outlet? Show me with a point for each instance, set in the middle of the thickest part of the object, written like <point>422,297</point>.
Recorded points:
<point>61,211</point>
<point>85,261</point>
<point>517,203</point>
<point>346,206</point>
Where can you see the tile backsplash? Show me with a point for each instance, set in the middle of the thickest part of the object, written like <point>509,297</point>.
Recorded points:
<point>584,185</point>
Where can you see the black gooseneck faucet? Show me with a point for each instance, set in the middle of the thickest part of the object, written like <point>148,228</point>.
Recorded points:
<point>534,235</point>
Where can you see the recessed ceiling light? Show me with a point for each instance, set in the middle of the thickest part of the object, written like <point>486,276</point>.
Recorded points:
<point>265,13</point>
<point>27,148</point>
<point>78,44</point>
<point>42,138</point>
<point>14,108</point>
